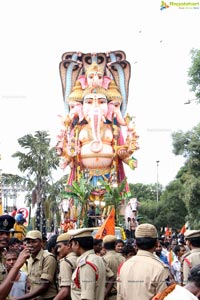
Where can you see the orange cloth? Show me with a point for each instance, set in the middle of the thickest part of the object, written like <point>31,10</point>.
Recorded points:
<point>108,226</point>
<point>165,292</point>
<point>183,229</point>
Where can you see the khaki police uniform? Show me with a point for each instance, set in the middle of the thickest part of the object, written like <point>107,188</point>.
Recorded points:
<point>42,267</point>
<point>192,258</point>
<point>67,265</point>
<point>113,260</point>
<point>184,257</point>
<point>89,277</point>
<point>6,224</point>
<point>3,272</point>
<point>143,275</point>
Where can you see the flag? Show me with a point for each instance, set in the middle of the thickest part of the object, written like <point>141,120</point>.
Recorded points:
<point>167,232</point>
<point>171,257</point>
<point>184,228</point>
<point>108,226</point>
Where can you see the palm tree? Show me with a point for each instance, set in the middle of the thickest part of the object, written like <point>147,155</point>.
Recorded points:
<point>52,210</point>
<point>36,163</point>
<point>80,192</point>
<point>114,196</point>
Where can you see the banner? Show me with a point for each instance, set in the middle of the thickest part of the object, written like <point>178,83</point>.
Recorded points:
<point>108,226</point>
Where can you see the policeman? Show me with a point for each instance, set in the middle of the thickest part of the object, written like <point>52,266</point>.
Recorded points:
<point>41,269</point>
<point>143,275</point>
<point>67,264</point>
<point>6,280</point>
<point>113,260</point>
<point>6,223</point>
<point>88,279</point>
<point>191,258</point>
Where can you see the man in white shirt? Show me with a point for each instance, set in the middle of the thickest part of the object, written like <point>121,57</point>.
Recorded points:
<point>191,291</point>
<point>179,250</point>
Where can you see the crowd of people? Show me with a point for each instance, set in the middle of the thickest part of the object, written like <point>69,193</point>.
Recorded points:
<point>74,265</point>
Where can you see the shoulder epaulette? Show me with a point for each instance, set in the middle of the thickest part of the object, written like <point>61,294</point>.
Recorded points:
<point>184,256</point>
<point>69,262</point>
<point>82,262</point>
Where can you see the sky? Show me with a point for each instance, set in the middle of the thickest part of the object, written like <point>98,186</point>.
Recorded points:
<point>157,43</point>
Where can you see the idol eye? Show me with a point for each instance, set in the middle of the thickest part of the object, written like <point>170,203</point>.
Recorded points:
<point>100,76</point>
<point>102,100</point>
<point>88,101</point>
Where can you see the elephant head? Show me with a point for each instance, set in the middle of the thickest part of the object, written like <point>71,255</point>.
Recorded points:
<point>94,77</point>
<point>95,108</point>
<point>115,112</point>
<point>76,110</point>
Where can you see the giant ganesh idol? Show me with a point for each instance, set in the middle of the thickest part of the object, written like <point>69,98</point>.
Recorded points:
<point>98,136</point>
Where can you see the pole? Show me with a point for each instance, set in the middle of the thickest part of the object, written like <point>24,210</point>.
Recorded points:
<point>157,185</point>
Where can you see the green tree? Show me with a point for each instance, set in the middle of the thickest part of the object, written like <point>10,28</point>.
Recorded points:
<point>80,192</point>
<point>194,73</point>
<point>51,205</point>
<point>171,206</point>
<point>145,192</point>
<point>114,196</point>
<point>188,145</point>
<point>194,203</point>
<point>164,213</point>
<point>36,164</point>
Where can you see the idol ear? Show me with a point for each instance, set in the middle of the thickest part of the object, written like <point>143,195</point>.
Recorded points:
<point>106,81</point>
<point>83,81</point>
